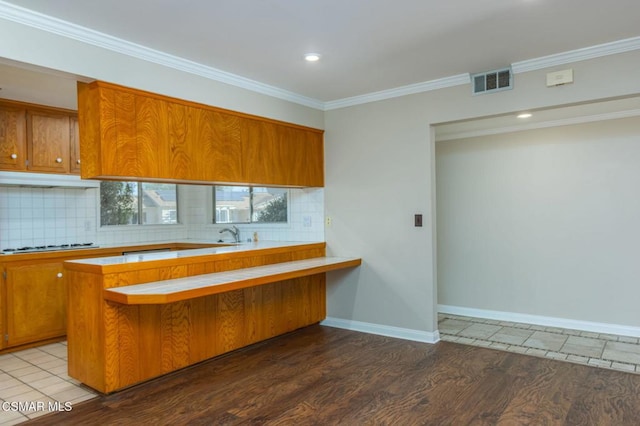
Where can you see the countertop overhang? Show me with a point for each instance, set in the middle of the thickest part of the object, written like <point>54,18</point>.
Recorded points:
<point>175,290</point>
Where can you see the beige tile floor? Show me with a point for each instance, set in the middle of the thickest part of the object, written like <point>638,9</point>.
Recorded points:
<point>38,376</point>
<point>599,350</point>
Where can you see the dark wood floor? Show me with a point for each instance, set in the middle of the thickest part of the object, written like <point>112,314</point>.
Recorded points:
<point>328,376</point>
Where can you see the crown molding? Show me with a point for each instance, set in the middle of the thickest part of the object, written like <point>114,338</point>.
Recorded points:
<point>57,26</point>
<point>592,52</point>
<point>542,125</point>
<point>411,89</point>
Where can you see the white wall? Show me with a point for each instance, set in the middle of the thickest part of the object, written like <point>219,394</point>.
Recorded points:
<point>379,173</point>
<point>542,222</point>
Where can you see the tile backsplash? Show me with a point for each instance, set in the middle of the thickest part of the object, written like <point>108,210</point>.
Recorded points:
<point>306,218</point>
<point>43,216</point>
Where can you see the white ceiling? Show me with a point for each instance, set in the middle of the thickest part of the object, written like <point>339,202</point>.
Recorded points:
<point>366,45</point>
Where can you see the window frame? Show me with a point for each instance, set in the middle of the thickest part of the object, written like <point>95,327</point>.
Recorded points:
<point>251,211</point>
<point>139,215</point>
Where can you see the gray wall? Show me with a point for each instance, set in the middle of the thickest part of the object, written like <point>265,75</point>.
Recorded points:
<point>380,165</point>
<point>543,222</point>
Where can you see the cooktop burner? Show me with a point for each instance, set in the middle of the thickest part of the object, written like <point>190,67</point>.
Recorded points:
<point>34,249</point>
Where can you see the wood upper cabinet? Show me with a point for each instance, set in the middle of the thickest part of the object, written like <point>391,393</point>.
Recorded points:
<point>48,137</point>
<point>279,155</point>
<point>135,135</point>
<point>218,138</point>
<point>35,138</point>
<point>36,302</point>
<point>106,120</point>
<point>74,146</point>
<point>13,138</point>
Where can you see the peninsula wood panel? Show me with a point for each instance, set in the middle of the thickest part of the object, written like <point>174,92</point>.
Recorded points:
<point>112,346</point>
<point>149,341</point>
<point>198,329</point>
<point>13,137</point>
<point>87,361</point>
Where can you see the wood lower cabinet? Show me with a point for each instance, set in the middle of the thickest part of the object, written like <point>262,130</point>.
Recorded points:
<point>35,302</point>
<point>135,135</point>
<point>13,138</point>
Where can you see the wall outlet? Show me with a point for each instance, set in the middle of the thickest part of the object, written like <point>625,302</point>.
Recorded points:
<point>328,221</point>
<point>306,221</point>
<point>88,226</point>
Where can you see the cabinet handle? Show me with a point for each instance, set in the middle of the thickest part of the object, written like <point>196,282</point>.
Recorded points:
<point>14,156</point>
<point>59,275</point>
<point>78,161</point>
<point>58,160</point>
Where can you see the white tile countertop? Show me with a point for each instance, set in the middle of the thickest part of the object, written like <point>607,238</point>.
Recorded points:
<point>178,254</point>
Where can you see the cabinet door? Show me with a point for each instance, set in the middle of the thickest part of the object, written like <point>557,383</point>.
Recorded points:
<point>13,141</point>
<point>36,303</point>
<point>48,142</point>
<point>74,146</point>
<point>106,120</point>
<point>280,155</point>
<point>218,137</point>
<point>3,307</point>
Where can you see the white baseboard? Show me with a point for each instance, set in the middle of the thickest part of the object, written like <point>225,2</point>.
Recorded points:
<point>594,327</point>
<point>383,330</point>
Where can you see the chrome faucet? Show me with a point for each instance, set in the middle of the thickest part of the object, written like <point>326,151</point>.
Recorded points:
<point>233,231</point>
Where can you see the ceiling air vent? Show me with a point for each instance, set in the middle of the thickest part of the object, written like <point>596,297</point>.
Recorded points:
<point>492,81</point>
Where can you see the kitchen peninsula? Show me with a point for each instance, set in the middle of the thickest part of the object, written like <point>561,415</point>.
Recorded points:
<point>135,317</point>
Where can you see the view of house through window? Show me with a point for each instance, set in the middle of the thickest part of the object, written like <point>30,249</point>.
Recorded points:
<point>248,204</point>
<point>137,203</point>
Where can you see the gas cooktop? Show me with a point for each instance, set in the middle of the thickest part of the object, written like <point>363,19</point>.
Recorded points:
<point>36,249</point>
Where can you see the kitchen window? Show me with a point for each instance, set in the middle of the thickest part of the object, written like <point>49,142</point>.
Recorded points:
<point>250,204</point>
<point>138,203</point>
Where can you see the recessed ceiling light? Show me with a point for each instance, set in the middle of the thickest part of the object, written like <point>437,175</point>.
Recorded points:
<point>312,57</point>
<point>524,115</point>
